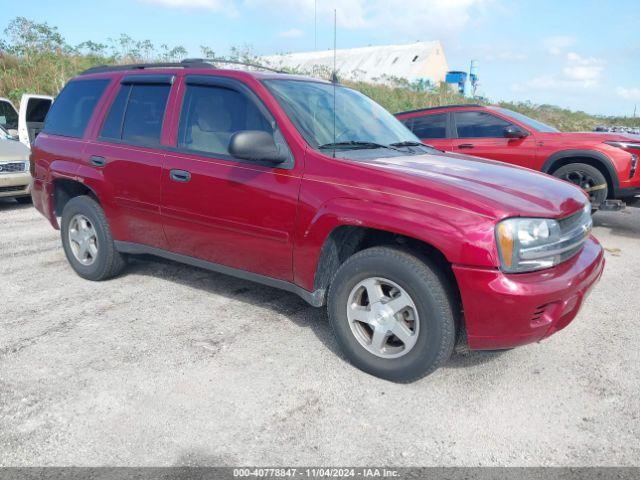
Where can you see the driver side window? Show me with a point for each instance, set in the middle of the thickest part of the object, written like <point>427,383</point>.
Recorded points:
<point>479,125</point>
<point>211,115</point>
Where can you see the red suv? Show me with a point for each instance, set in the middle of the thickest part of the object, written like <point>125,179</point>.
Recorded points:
<point>603,164</point>
<point>255,174</point>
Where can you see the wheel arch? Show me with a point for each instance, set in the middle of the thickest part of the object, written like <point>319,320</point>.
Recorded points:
<point>65,189</point>
<point>590,157</point>
<point>346,240</point>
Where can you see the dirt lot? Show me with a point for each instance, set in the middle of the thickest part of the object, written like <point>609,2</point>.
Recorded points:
<point>170,364</point>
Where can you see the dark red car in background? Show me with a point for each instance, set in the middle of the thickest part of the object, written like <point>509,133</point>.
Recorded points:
<point>605,165</point>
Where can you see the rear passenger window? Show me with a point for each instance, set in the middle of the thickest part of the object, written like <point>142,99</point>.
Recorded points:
<point>479,125</point>
<point>136,114</point>
<point>430,126</point>
<point>211,115</point>
<point>72,109</point>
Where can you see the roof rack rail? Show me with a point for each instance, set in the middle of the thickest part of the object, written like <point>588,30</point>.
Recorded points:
<point>143,66</point>
<point>459,105</point>
<point>186,63</point>
<point>213,61</point>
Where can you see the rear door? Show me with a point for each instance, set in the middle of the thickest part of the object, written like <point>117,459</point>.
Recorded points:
<point>432,129</point>
<point>8,116</point>
<point>219,208</point>
<point>481,134</point>
<point>127,156</point>
<point>33,110</point>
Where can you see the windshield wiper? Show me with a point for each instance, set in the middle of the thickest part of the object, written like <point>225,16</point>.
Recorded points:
<point>408,143</point>
<point>354,144</point>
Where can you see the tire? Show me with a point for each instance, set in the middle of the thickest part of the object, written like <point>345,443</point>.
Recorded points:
<point>24,200</point>
<point>589,178</point>
<point>101,261</point>
<point>433,324</point>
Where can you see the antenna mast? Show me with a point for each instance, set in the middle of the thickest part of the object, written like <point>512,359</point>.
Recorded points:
<point>334,80</point>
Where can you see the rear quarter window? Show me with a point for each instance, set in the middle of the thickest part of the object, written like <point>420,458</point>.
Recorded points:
<point>72,109</point>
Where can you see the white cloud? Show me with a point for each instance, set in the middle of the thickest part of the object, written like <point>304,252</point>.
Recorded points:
<point>558,44</point>
<point>416,18</point>
<point>413,19</point>
<point>628,93</point>
<point>226,6</point>
<point>578,72</point>
<point>586,71</point>
<point>291,33</point>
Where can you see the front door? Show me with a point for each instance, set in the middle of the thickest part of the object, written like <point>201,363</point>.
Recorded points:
<point>218,208</point>
<point>482,134</point>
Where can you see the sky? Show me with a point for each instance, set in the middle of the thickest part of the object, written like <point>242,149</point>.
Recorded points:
<point>583,55</point>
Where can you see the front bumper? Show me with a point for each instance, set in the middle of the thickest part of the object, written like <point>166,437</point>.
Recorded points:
<point>628,192</point>
<point>507,310</point>
<point>15,184</point>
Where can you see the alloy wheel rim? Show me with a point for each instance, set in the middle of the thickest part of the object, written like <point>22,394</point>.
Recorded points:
<point>83,240</point>
<point>383,317</point>
<point>585,181</point>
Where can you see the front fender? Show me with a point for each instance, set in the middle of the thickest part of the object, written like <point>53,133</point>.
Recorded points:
<point>463,237</point>
<point>596,155</point>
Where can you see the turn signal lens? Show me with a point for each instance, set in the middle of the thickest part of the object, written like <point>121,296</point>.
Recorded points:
<point>505,241</point>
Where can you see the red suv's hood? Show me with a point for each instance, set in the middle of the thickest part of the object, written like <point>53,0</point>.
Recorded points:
<point>592,136</point>
<point>491,188</point>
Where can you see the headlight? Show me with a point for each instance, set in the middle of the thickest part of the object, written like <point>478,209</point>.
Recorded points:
<point>634,157</point>
<point>625,145</point>
<point>528,244</point>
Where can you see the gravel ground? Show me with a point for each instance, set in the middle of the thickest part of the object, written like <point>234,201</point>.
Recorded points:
<point>172,365</point>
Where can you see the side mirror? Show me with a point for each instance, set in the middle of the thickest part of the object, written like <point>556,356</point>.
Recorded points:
<point>255,145</point>
<point>514,132</point>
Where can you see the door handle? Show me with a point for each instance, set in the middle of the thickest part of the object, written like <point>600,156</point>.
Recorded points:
<point>97,161</point>
<point>465,145</point>
<point>180,175</point>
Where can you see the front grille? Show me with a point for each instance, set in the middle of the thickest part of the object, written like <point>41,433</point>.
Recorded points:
<point>576,228</point>
<point>18,188</point>
<point>574,231</point>
<point>13,167</point>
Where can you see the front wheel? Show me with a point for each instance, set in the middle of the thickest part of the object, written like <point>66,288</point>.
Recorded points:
<point>589,178</point>
<point>392,314</point>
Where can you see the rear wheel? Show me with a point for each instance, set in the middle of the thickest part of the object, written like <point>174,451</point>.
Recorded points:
<point>589,178</point>
<point>87,240</point>
<point>392,314</point>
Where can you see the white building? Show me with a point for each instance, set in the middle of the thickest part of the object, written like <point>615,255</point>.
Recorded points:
<point>414,61</point>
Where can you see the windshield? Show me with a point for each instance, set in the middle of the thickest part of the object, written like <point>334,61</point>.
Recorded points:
<point>360,123</point>
<point>529,122</point>
<point>8,115</point>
